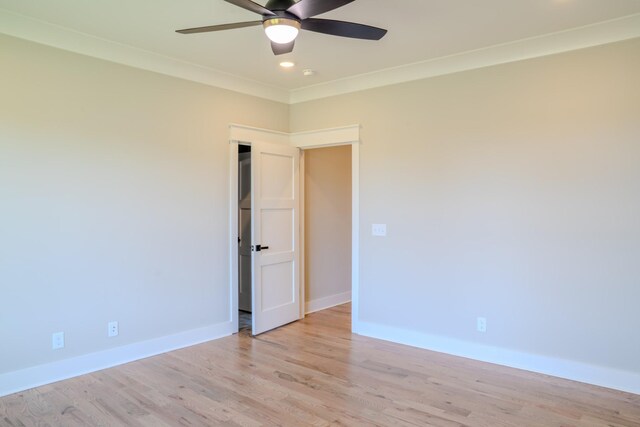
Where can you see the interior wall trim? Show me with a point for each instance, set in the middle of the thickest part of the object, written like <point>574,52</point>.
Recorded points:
<point>48,34</point>
<point>327,302</point>
<point>557,367</point>
<point>16,381</point>
<point>326,137</point>
<point>42,32</point>
<point>244,133</point>
<point>304,140</point>
<point>572,39</point>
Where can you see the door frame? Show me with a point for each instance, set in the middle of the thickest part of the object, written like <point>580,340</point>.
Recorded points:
<point>244,135</point>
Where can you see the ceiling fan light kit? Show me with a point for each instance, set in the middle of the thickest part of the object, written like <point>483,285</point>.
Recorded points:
<point>281,30</point>
<point>283,19</point>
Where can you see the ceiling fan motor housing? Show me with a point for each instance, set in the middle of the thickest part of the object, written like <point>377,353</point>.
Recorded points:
<point>279,5</point>
<point>281,14</point>
<point>279,10</point>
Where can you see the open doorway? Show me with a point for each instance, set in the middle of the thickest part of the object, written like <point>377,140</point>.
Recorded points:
<point>327,226</point>
<point>271,154</point>
<point>327,229</point>
<point>244,238</point>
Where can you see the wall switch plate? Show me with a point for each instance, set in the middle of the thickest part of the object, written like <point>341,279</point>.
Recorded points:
<point>112,329</point>
<point>378,229</point>
<point>482,324</point>
<point>57,341</point>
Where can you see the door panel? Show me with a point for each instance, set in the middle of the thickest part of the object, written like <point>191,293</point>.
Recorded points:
<point>277,288</point>
<point>277,230</point>
<point>275,226</point>
<point>277,170</point>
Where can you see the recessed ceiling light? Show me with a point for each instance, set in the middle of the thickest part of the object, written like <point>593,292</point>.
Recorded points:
<point>287,64</point>
<point>308,72</point>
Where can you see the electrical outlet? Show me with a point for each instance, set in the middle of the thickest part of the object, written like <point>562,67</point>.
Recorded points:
<point>482,324</point>
<point>57,341</point>
<point>112,328</point>
<point>379,229</point>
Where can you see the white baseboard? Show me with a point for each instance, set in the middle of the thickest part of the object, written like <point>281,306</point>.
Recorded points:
<point>15,381</point>
<point>327,302</point>
<point>577,371</point>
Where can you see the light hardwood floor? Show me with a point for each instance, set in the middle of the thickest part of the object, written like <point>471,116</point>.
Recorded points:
<point>315,372</point>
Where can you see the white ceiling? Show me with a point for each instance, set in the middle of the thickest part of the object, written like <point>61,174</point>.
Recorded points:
<point>419,30</point>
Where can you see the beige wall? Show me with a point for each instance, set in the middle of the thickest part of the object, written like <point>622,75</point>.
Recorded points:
<point>114,201</point>
<point>510,192</point>
<point>327,208</point>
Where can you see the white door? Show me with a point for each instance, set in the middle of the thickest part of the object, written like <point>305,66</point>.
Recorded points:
<point>275,236</point>
<point>244,221</point>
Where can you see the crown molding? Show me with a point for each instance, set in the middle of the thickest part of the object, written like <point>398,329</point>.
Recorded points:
<point>42,32</point>
<point>27,28</point>
<point>614,30</point>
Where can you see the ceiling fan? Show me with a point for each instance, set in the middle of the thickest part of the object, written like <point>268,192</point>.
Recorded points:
<point>282,19</point>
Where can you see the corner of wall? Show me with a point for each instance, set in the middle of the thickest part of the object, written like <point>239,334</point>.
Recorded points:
<point>562,368</point>
<point>327,302</point>
<point>24,379</point>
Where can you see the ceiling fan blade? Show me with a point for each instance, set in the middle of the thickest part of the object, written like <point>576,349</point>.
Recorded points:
<point>251,6</point>
<point>282,48</point>
<point>343,29</point>
<point>307,8</point>
<point>219,27</point>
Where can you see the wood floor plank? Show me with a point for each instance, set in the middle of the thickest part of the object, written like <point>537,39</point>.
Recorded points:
<point>315,372</point>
